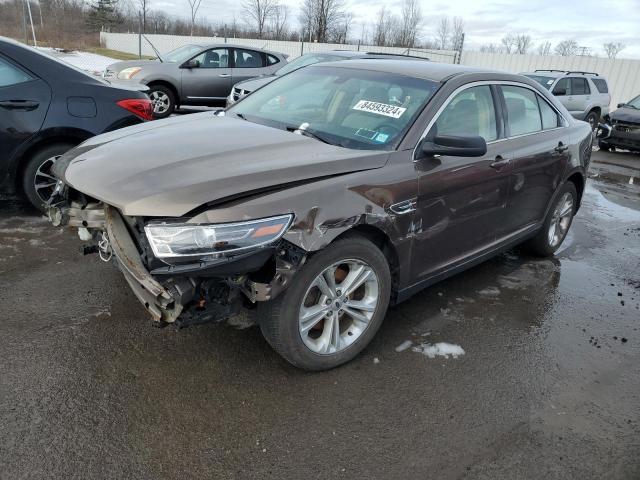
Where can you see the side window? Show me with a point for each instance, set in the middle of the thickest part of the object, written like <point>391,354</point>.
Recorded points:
<point>10,75</point>
<point>471,112</point>
<point>601,85</point>
<point>272,60</point>
<point>550,119</point>
<point>214,58</point>
<point>248,59</point>
<point>523,114</point>
<point>579,86</point>
<point>563,87</point>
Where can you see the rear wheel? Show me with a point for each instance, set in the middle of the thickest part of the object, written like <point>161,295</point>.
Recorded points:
<point>592,119</point>
<point>605,147</point>
<point>334,307</point>
<point>38,182</point>
<point>556,225</point>
<point>163,101</point>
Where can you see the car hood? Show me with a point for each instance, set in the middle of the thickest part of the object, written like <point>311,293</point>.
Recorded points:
<point>168,168</point>
<point>625,114</point>
<point>253,84</point>
<point>119,66</point>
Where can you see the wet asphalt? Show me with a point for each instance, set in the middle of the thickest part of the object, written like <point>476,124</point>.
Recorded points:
<point>548,385</point>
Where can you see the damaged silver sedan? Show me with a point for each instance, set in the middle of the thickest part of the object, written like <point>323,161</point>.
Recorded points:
<point>325,196</point>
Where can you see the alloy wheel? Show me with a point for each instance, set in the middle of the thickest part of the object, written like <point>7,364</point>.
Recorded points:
<point>44,182</point>
<point>338,306</point>
<point>561,220</point>
<point>160,102</point>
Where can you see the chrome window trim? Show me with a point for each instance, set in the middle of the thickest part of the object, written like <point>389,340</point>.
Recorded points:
<point>565,122</point>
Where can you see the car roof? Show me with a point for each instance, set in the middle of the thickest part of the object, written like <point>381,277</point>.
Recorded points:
<point>563,73</point>
<point>232,45</point>
<point>426,70</point>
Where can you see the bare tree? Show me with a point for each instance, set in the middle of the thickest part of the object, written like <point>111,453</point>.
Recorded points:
<point>491,48</point>
<point>509,43</point>
<point>195,6</point>
<point>342,30</point>
<point>566,48</point>
<point>457,32</point>
<point>258,13</point>
<point>442,34</point>
<point>144,11</point>
<point>410,23</point>
<point>321,18</point>
<point>544,49</point>
<point>612,49</point>
<point>381,33</point>
<point>523,43</point>
<point>279,20</point>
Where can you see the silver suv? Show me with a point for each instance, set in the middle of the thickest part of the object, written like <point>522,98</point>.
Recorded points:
<point>584,94</point>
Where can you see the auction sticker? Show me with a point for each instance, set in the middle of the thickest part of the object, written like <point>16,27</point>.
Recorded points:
<point>379,108</point>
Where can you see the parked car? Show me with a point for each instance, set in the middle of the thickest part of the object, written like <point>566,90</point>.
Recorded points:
<point>48,107</point>
<point>242,89</point>
<point>328,194</point>
<point>621,129</point>
<point>195,74</point>
<point>584,94</point>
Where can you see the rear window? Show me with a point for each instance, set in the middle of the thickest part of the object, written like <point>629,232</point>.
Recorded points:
<point>272,60</point>
<point>601,85</point>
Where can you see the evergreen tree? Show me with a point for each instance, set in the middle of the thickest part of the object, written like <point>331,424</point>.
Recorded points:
<point>103,14</point>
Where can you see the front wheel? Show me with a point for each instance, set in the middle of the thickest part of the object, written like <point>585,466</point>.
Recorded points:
<point>163,101</point>
<point>557,223</point>
<point>333,308</point>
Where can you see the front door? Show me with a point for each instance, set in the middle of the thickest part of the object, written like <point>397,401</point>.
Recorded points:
<point>461,201</point>
<point>209,81</point>
<point>540,149</point>
<point>24,100</point>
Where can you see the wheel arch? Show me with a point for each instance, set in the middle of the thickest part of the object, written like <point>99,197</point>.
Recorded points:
<point>578,180</point>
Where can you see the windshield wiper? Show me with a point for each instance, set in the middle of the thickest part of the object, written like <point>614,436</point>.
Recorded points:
<point>308,133</point>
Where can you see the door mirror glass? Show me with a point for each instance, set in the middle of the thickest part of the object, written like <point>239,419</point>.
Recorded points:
<point>620,105</point>
<point>561,88</point>
<point>454,146</point>
<point>193,63</point>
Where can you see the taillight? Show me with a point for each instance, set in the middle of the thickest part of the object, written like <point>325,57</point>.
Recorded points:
<point>141,107</point>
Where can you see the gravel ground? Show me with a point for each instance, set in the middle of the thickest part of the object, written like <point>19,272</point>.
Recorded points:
<point>548,385</point>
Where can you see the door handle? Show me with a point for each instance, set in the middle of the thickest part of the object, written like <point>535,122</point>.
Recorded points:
<point>223,75</point>
<point>499,162</point>
<point>27,105</point>
<point>561,148</point>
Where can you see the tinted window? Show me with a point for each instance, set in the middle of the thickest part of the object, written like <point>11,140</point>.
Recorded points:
<point>214,58</point>
<point>601,85</point>
<point>248,59</point>
<point>10,75</point>
<point>550,119</point>
<point>471,112</point>
<point>523,114</point>
<point>562,85</point>
<point>579,86</point>
<point>272,60</point>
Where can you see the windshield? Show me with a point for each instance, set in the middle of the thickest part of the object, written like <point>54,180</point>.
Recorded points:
<point>635,103</point>
<point>308,59</point>
<point>352,108</point>
<point>181,54</point>
<point>546,82</point>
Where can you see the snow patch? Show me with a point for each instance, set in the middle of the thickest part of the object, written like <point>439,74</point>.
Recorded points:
<point>404,345</point>
<point>90,62</point>
<point>490,291</point>
<point>441,349</point>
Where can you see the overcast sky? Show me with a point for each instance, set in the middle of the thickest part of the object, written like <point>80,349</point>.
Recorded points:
<point>589,22</point>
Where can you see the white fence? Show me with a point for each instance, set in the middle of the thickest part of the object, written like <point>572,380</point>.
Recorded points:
<point>623,75</point>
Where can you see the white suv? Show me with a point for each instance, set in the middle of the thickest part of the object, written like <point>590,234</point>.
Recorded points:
<point>584,94</point>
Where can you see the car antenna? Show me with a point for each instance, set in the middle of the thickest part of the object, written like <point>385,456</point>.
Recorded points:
<point>154,48</point>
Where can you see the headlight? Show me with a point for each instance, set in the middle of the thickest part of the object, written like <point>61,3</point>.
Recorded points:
<point>127,73</point>
<point>185,240</point>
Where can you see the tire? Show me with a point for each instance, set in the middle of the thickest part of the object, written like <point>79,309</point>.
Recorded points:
<point>592,119</point>
<point>280,319</point>
<point>37,171</point>
<point>163,99</point>
<point>544,244</point>
<point>603,146</point>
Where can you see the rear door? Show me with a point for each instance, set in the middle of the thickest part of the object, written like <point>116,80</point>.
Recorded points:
<point>210,81</point>
<point>539,145</point>
<point>247,64</point>
<point>580,94</point>
<point>461,201</point>
<point>24,100</point>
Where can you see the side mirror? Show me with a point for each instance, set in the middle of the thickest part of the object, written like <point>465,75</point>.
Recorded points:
<point>454,146</point>
<point>620,105</point>
<point>193,63</point>
<point>560,92</point>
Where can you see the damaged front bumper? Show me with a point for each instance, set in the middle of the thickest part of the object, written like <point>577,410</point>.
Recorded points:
<point>181,294</point>
<point>619,134</point>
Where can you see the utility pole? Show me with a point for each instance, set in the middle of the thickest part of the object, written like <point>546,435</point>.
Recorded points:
<point>24,21</point>
<point>33,30</point>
